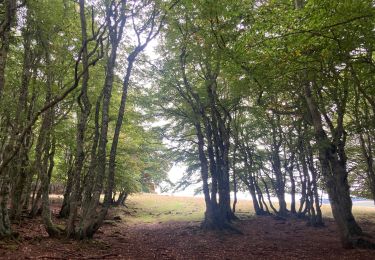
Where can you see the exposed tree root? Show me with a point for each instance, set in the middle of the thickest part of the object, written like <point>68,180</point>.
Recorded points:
<point>263,213</point>
<point>56,231</point>
<point>12,236</point>
<point>233,230</point>
<point>317,224</point>
<point>279,217</point>
<point>359,242</point>
<point>208,225</point>
<point>364,244</point>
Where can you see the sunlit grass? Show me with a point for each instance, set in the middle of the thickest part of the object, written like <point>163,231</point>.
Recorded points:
<point>152,208</point>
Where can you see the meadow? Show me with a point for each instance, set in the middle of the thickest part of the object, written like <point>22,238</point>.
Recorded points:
<point>154,208</point>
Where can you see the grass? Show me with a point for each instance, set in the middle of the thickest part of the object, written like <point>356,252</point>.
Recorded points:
<point>152,208</point>
<point>149,208</point>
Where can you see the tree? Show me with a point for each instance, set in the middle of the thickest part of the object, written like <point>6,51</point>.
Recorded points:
<point>316,54</point>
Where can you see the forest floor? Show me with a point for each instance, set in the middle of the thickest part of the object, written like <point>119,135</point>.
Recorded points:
<point>165,227</point>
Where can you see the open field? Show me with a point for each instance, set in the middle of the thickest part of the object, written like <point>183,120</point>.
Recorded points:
<point>167,227</point>
<point>151,208</point>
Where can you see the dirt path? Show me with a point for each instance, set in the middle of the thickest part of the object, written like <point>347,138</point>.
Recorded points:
<point>264,238</point>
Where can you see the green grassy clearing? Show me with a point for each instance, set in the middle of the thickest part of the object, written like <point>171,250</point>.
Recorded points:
<point>152,208</point>
<point>149,208</point>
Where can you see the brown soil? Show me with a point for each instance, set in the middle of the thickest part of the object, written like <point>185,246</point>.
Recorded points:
<point>264,238</point>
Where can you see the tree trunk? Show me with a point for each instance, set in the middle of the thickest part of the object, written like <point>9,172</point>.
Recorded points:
<point>45,175</point>
<point>83,115</point>
<point>91,220</point>
<point>336,178</point>
<point>303,179</point>
<point>5,33</point>
<point>234,191</point>
<point>120,117</point>
<point>217,215</point>
<point>262,203</point>
<point>5,227</point>
<point>65,207</point>
<point>21,160</point>
<point>51,229</point>
<point>269,196</point>
<point>121,199</point>
<point>290,170</point>
<point>276,165</point>
<point>35,200</point>
<point>366,139</point>
<point>314,180</point>
<point>279,183</point>
<point>43,161</point>
<point>221,145</point>
<point>234,170</point>
<point>89,179</point>
<point>210,219</point>
<point>249,180</point>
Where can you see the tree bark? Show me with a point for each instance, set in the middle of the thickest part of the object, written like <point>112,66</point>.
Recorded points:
<point>90,219</point>
<point>249,180</point>
<point>5,227</point>
<point>65,207</point>
<point>314,180</point>
<point>21,162</point>
<point>336,177</point>
<point>5,36</point>
<point>217,215</point>
<point>276,166</point>
<point>43,147</point>
<point>83,115</point>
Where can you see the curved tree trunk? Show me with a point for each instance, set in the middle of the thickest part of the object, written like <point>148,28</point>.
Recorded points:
<point>314,180</point>
<point>336,178</point>
<point>21,162</point>
<point>91,220</point>
<point>83,115</point>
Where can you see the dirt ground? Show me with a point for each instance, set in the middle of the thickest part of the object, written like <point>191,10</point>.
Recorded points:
<point>264,238</point>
